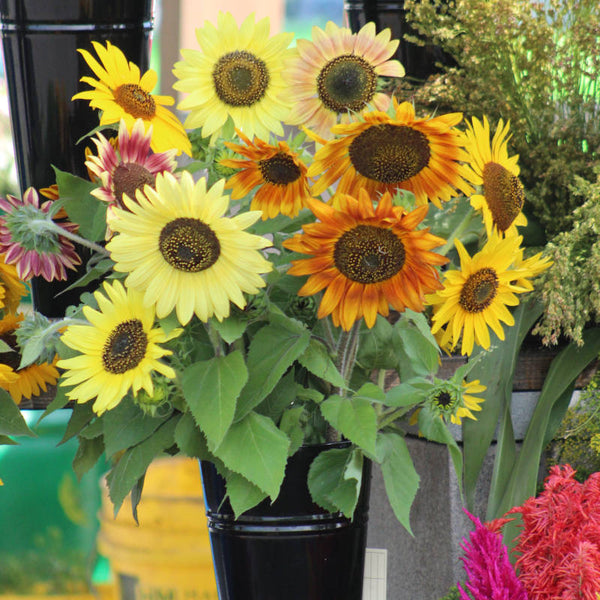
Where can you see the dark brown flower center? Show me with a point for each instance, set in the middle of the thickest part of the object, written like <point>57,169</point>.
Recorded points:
<point>504,194</point>
<point>135,101</point>
<point>125,347</point>
<point>240,78</point>
<point>390,153</point>
<point>189,245</point>
<point>279,169</point>
<point>369,254</point>
<point>479,290</point>
<point>444,400</point>
<point>347,82</point>
<point>128,178</point>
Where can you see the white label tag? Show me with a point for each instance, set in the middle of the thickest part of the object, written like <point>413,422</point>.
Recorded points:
<point>375,582</point>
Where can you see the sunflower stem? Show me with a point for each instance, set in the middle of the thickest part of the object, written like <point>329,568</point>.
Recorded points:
<point>55,228</point>
<point>458,231</point>
<point>215,339</point>
<point>393,414</point>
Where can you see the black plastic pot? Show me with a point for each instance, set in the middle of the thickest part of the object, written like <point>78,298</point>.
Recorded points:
<point>418,61</point>
<point>40,39</point>
<point>291,549</point>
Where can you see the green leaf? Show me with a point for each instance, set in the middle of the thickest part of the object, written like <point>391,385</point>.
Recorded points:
<point>417,349</point>
<point>6,441</point>
<point>88,454</point>
<point>80,417</point>
<point>81,206</point>
<point>370,392</point>
<point>400,478</point>
<point>291,424</point>
<point>126,425</point>
<point>355,418</point>
<point>230,329</point>
<point>256,449</point>
<point>317,360</point>
<point>407,394</point>
<point>11,419</point>
<point>190,440</point>
<point>243,495</point>
<point>211,389</point>
<point>4,347</point>
<point>334,479</point>
<point>133,463</point>
<point>282,396</point>
<point>376,350</point>
<point>59,401</point>
<point>272,351</point>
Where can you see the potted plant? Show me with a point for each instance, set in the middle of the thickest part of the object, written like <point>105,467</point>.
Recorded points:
<point>262,345</point>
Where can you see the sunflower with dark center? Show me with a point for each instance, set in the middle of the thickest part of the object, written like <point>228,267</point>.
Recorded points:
<point>492,168</point>
<point>476,296</point>
<point>119,349</point>
<point>383,153</point>
<point>181,251</point>
<point>237,75</point>
<point>128,167</point>
<point>366,259</point>
<point>121,92</point>
<point>453,401</point>
<point>276,170</point>
<point>337,73</point>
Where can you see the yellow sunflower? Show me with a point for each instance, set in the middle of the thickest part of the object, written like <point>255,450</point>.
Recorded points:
<point>455,401</point>
<point>121,93</point>
<point>29,381</point>
<point>238,74</point>
<point>278,171</point>
<point>180,250</point>
<point>476,296</point>
<point>337,73</point>
<point>366,258</point>
<point>385,153</point>
<point>12,289</point>
<point>503,194</point>
<point>119,349</point>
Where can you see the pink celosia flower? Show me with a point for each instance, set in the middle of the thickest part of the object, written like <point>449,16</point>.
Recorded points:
<point>32,241</point>
<point>129,167</point>
<point>490,574</point>
<point>559,544</point>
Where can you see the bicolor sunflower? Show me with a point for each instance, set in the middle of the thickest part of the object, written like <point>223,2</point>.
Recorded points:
<point>26,382</point>
<point>276,170</point>
<point>182,252</point>
<point>47,253</point>
<point>128,167</point>
<point>119,349</point>
<point>366,258</point>
<point>476,296</point>
<point>383,153</point>
<point>121,92</point>
<point>337,73</point>
<point>237,74</point>
<point>503,193</point>
<point>455,401</point>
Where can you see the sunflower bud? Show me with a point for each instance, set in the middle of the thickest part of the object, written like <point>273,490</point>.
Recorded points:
<point>303,308</point>
<point>158,403</point>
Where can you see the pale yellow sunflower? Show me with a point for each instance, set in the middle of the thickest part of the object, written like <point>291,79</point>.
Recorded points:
<point>455,401</point>
<point>366,258</point>
<point>503,194</point>
<point>182,252</point>
<point>237,74</point>
<point>383,153</point>
<point>12,289</point>
<point>278,172</point>
<point>118,350</point>
<point>336,73</point>
<point>121,92</point>
<point>477,295</point>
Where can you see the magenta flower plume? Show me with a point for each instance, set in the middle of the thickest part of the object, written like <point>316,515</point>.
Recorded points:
<point>130,166</point>
<point>32,241</point>
<point>490,574</point>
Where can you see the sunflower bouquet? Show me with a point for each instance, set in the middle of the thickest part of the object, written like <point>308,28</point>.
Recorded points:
<point>266,268</point>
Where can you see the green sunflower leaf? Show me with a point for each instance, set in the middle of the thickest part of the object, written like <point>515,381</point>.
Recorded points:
<point>242,494</point>
<point>211,389</point>
<point>11,419</point>
<point>317,360</point>
<point>82,208</point>
<point>87,455</point>
<point>265,452</point>
<point>355,418</point>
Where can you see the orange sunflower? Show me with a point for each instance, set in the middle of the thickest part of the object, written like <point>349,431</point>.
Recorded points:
<point>278,171</point>
<point>366,258</point>
<point>29,381</point>
<point>383,153</point>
